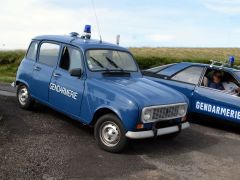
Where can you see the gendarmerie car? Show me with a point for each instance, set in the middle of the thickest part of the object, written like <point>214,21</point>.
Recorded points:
<point>212,89</point>
<point>98,84</point>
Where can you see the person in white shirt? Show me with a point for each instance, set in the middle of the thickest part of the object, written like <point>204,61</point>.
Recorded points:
<point>231,87</point>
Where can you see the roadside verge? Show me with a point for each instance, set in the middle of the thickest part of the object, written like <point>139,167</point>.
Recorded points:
<point>7,90</point>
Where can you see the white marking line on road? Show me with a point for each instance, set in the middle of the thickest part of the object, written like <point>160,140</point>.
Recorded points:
<point>6,93</point>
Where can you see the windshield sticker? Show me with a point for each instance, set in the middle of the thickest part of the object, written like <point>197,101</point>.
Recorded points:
<point>63,90</point>
<point>218,110</point>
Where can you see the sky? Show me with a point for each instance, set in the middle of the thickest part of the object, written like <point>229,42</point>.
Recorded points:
<point>141,23</point>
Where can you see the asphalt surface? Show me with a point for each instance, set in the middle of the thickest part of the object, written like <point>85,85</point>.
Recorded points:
<point>7,90</point>
<point>44,144</point>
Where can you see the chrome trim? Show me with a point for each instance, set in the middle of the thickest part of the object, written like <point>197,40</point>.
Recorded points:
<point>163,106</point>
<point>150,134</point>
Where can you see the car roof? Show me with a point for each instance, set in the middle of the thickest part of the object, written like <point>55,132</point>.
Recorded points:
<point>80,42</point>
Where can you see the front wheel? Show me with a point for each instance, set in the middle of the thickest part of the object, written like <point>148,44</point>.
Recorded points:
<point>110,134</point>
<point>25,100</point>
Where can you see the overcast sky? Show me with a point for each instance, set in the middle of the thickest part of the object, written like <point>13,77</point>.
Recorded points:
<point>161,23</point>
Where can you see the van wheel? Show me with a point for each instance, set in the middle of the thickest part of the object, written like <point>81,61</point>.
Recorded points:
<point>110,134</point>
<point>25,100</point>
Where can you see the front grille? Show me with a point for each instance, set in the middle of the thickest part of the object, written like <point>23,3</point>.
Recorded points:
<point>165,112</point>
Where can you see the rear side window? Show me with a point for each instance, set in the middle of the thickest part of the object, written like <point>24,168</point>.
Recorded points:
<point>49,54</point>
<point>190,75</point>
<point>32,51</point>
<point>71,59</point>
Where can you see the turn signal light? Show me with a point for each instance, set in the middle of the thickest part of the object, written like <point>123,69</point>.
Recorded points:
<point>140,126</point>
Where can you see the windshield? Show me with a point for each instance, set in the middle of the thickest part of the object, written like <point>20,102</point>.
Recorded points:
<point>238,74</point>
<point>100,60</point>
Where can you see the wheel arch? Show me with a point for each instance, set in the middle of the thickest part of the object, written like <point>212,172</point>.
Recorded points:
<point>18,82</point>
<point>102,111</point>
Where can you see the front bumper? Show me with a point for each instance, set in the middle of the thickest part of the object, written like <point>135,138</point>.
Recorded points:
<point>161,131</point>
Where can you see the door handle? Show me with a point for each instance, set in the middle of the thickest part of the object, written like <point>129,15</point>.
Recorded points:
<point>56,75</point>
<point>36,68</point>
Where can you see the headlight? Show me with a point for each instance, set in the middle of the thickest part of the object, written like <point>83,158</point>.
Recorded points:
<point>182,110</point>
<point>147,115</point>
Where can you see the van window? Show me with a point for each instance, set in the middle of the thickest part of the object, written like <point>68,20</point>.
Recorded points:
<point>49,54</point>
<point>71,59</point>
<point>32,51</point>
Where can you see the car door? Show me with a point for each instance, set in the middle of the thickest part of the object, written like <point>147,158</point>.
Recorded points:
<point>216,103</point>
<point>66,91</point>
<point>42,72</point>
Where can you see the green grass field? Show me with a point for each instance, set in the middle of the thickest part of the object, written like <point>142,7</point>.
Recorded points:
<point>146,57</point>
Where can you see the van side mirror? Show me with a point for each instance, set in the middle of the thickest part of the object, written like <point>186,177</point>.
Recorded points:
<point>76,72</point>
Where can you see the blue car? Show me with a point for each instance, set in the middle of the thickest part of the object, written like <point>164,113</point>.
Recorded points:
<point>212,89</point>
<point>100,85</point>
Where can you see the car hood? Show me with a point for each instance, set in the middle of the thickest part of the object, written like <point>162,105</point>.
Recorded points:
<point>143,91</point>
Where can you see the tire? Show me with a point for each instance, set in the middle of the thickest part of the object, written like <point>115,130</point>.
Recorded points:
<point>24,98</point>
<point>110,134</point>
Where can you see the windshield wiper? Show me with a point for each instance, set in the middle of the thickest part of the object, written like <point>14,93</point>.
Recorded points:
<point>111,72</point>
<point>97,62</point>
<point>113,63</point>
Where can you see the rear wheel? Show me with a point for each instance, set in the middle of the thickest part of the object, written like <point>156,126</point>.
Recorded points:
<point>25,100</point>
<point>110,134</point>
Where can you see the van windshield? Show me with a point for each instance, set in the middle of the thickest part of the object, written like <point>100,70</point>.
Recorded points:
<point>238,75</point>
<point>110,60</point>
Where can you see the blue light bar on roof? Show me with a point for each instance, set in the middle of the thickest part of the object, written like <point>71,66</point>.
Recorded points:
<point>87,29</point>
<point>231,60</point>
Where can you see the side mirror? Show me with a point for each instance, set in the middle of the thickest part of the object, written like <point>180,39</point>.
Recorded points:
<point>76,72</point>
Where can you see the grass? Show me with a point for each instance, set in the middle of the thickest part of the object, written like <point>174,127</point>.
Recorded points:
<point>146,57</point>
<point>150,57</point>
<point>9,62</point>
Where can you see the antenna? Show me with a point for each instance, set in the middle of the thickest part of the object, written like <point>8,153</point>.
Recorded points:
<point>118,39</point>
<point>99,32</point>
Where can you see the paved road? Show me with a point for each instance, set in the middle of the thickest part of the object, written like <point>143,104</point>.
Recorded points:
<point>7,90</point>
<point>44,144</point>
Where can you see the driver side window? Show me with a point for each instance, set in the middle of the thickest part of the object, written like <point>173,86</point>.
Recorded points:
<point>71,59</point>
<point>221,80</point>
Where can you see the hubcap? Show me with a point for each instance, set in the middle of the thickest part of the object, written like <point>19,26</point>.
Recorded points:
<point>109,133</point>
<point>23,95</point>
